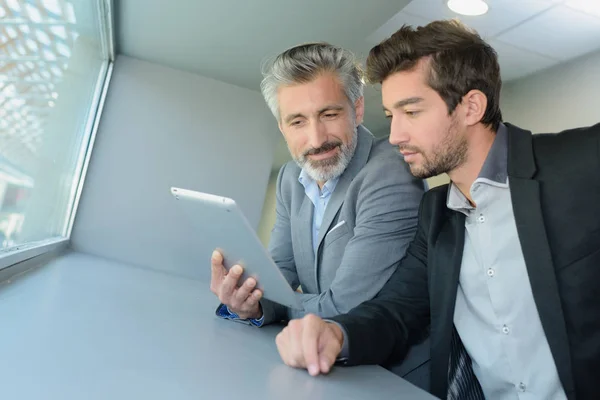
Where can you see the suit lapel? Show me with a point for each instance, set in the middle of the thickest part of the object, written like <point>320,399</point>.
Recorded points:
<point>361,155</point>
<point>445,273</point>
<point>304,231</point>
<point>525,195</point>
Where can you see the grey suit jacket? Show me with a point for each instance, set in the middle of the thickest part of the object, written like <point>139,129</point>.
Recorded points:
<point>369,221</point>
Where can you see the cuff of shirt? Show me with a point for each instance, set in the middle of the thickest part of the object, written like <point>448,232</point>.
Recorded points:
<point>224,312</point>
<point>345,352</point>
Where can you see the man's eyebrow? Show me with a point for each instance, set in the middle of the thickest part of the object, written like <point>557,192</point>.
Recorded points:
<point>290,117</point>
<point>333,107</point>
<point>406,102</point>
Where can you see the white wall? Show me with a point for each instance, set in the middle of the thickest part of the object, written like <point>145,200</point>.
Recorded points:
<point>562,97</point>
<point>161,128</point>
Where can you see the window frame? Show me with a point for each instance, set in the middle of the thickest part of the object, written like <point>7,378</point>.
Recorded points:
<point>11,257</point>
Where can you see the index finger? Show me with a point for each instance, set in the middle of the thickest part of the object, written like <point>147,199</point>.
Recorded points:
<point>310,342</point>
<point>217,268</point>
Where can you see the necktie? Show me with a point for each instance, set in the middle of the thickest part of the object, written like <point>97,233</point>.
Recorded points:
<point>462,382</point>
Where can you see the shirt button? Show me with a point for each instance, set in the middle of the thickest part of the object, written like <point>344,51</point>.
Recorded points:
<point>481,219</point>
<point>491,272</point>
<point>505,330</point>
<point>522,387</point>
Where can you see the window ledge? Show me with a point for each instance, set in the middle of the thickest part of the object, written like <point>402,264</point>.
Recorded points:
<point>11,257</point>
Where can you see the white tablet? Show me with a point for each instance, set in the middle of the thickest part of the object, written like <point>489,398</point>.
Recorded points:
<point>220,224</point>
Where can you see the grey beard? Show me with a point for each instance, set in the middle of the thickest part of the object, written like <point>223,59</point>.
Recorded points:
<point>325,170</point>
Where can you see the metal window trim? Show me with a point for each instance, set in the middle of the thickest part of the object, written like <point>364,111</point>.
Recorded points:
<point>18,254</point>
<point>85,152</point>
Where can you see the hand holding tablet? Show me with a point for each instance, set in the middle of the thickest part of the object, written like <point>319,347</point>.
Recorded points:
<point>242,299</point>
<point>220,224</point>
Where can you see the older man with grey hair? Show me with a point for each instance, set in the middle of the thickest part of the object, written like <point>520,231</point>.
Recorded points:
<point>346,206</point>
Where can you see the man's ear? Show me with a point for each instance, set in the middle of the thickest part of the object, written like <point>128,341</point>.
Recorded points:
<point>359,109</point>
<point>475,103</point>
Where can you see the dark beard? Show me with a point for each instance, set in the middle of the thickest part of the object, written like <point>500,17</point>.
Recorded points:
<point>448,155</point>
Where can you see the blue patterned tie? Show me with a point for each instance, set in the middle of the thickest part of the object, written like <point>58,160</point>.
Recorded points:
<point>462,382</point>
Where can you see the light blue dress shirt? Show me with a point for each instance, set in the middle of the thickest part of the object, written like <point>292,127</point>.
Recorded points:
<point>319,198</point>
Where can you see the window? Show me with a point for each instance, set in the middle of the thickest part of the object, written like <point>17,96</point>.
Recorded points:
<point>55,62</point>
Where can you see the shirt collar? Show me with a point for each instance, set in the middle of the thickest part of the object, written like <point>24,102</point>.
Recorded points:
<point>306,181</point>
<point>494,172</point>
<point>495,167</point>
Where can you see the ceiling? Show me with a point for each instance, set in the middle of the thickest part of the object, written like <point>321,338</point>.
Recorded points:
<point>529,35</point>
<point>228,40</point>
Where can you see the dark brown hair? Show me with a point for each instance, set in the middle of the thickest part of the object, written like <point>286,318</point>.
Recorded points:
<point>459,61</point>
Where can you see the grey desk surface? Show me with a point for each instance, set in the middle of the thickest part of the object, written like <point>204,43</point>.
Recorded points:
<point>82,327</point>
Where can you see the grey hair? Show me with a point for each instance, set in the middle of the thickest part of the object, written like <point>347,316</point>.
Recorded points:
<point>303,63</point>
